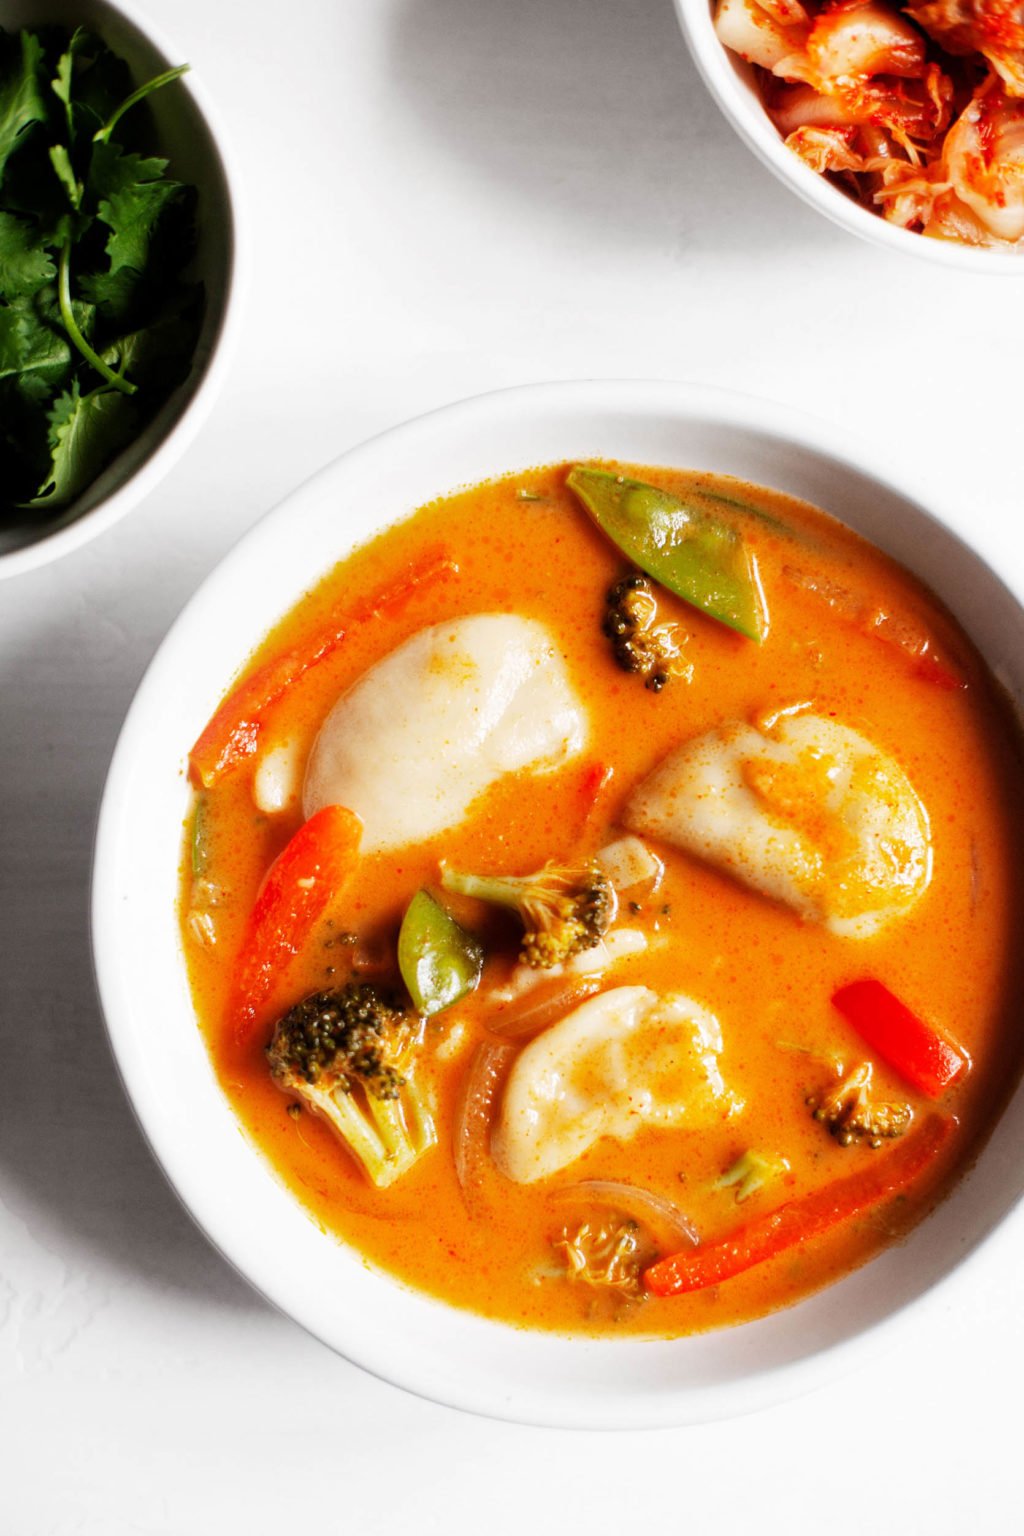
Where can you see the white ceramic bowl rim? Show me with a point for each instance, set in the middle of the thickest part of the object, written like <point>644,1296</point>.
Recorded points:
<point>219,335</point>
<point>728,79</point>
<point>417,1343</point>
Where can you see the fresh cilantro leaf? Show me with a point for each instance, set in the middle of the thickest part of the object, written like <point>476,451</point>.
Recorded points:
<point>61,84</point>
<point>25,264</point>
<point>132,193</point>
<point>47,306</point>
<point>144,212</point>
<point>99,80</point>
<point>61,162</point>
<point>112,171</point>
<point>86,432</point>
<point>160,353</point>
<point>115,293</point>
<point>133,218</point>
<point>35,356</point>
<point>21,97</point>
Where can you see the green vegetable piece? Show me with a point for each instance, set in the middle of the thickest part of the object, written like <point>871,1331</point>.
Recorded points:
<point>95,244</point>
<point>102,135</point>
<point>21,96</point>
<point>440,962</point>
<point>25,266</point>
<point>132,191</point>
<point>85,430</point>
<point>750,509</point>
<point>61,162</point>
<point>60,85</point>
<point>70,320</point>
<point>684,547</point>
<point>200,839</point>
<point>32,352</point>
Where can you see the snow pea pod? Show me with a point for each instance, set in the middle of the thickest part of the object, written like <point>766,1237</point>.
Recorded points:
<point>200,841</point>
<point>687,549</point>
<point>440,962</point>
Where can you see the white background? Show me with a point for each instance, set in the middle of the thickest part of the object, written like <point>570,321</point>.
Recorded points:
<point>445,196</point>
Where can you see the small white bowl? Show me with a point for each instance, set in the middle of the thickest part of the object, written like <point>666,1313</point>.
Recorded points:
<point>732,83</point>
<point>187,135</point>
<point>409,1339</point>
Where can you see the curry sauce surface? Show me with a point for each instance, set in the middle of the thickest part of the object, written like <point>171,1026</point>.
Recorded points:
<point>767,976</point>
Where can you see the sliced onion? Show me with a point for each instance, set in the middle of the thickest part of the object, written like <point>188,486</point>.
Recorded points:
<point>615,946</point>
<point>536,1013</point>
<point>848,605</point>
<point>628,862</point>
<point>643,1204</point>
<point>202,927</point>
<point>902,631</point>
<point>277,780</point>
<point>527,986</point>
<point>475,1115</point>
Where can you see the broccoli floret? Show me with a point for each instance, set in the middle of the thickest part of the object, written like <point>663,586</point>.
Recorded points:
<point>852,1114</point>
<point>750,1173</point>
<point>345,1055</point>
<point>637,643</point>
<point>563,910</point>
<point>604,1255</point>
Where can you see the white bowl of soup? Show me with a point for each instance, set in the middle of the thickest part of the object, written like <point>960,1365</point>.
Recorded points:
<point>918,154</point>
<point>688,1120</point>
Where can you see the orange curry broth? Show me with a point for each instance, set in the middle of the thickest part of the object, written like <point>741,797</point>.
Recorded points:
<point>767,975</point>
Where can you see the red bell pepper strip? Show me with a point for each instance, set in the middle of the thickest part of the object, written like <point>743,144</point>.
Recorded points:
<point>233,732</point>
<point>296,892</point>
<point>923,1057</point>
<point>900,632</point>
<point>594,780</point>
<point>799,1220</point>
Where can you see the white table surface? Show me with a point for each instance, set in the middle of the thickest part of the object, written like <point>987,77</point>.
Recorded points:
<point>445,196</point>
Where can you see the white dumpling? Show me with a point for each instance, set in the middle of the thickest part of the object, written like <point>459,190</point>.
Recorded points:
<point>809,812</point>
<point>413,743</point>
<point>625,1059</point>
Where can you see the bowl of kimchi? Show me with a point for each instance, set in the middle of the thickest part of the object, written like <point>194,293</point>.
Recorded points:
<point>400,1275</point>
<point>904,126</point>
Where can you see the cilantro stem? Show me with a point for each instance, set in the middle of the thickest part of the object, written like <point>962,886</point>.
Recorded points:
<point>71,326</point>
<point>102,135</point>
